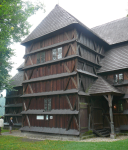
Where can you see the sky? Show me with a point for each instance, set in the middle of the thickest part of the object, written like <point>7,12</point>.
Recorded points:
<point>90,12</point>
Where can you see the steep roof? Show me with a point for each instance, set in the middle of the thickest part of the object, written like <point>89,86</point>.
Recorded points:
<point>113,32</point>
<point>115,59</point>
<point>18,78</point>
<point>57,19</point>
<point>101,86</point>
<point>21,66</point>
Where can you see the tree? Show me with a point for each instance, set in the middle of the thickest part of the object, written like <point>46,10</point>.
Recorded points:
<point>13,27</point>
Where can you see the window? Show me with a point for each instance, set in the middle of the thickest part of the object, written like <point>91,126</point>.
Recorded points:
<point>46,117</point>
<point>120,106</point>
<point>47,104</point>
<point>40,117</point>
<point>57,53</point>
<point>121,78</point>
<point>40,57</point>
<point>118,78</point>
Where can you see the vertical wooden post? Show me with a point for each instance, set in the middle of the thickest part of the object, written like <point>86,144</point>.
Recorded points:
<point>110,98</point>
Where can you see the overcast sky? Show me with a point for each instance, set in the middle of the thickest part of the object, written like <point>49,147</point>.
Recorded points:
<point>90,12</point>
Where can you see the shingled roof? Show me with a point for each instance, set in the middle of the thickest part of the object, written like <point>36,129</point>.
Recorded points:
<point>18,78</point>
<point>21,66</point>
<point>115,59</point>
<point>57,19</point>
<point>113,32</point>
<point>101,86</point>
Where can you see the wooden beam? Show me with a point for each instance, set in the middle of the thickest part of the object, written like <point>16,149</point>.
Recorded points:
<point>67,83</point>
<point>66,68</point>
<point>25,88</point>
<point>67,51</point>
<point>73,66</point>
<point>30,88</point>
<point>73,49</point>
<point>67,36</point>
<point>72,116</point>
<point>24,106</point>
<point>31,73</point>
<point>26,75</point>
<point>74,82</point>
<point>29,103</point>
<point>30,60</point>
<point>105,97</point>
<point>69,122</point>
<point>29,50</point>
<point>28,121</point>
<point>69,102</point>
<point>76,122</point>
<point>110,98</point>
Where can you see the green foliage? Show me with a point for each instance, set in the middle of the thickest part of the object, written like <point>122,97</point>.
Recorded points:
<point>88,132</point>
<point>16,143</point>
<point>13,27</point>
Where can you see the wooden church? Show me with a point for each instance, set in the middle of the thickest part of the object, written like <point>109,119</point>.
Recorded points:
<point>75,78</point>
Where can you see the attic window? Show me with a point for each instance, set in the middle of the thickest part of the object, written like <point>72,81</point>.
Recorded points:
<point>40,57</point>
<point>118,78</point>
<point>57,53</point>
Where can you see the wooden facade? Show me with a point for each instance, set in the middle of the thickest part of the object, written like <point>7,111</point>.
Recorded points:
<point>71,84</point>
<point>13,105</point>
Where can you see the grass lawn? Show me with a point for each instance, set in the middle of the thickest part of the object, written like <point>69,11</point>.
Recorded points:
<point>17,143</point>
<point>4,130</point>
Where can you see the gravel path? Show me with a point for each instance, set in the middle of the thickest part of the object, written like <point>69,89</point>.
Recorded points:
<point>36,137</point>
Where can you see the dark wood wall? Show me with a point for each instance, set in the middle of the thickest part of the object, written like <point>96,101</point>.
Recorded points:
<point>13,98</point>
<point>57,102</point>
<point>50,69</point>
<point>59,37</point>
<point>88,55</point>
<point>30,60</point>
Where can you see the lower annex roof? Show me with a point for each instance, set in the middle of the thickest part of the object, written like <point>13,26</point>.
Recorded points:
<point>53,112</point>
<point>115,59</point>
<point>101,86</point>
<point>50,130</point>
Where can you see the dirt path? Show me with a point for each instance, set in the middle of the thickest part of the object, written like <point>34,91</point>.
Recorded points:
<point>40,137</point>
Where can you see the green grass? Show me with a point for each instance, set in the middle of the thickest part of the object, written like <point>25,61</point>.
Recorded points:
<point>4,130</point>
<point>16,143</point>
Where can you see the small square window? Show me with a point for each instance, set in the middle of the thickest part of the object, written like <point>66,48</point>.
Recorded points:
<point>118,78</point>
<point>46,117</point>
<point>57,53</point>
<point>121,77</point>
<point>40,57</point>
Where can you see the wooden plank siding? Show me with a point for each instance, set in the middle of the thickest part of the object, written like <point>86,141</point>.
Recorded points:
<point>13,110</point>
<point>88,58</point>
<point>50,85</point>
<point>32,59</point>
<point>60,37</point>
<point>50,69</point>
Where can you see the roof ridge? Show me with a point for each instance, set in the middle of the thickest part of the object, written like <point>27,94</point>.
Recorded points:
<point>109,22</point>
<point>57,19</point>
